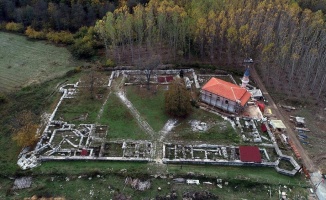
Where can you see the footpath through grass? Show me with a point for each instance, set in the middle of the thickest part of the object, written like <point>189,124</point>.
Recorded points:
<point>24,61</point>
<point>150,104</point>
<point>121,123</point>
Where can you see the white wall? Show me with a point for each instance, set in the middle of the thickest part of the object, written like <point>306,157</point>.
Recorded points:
<point>217,101</point>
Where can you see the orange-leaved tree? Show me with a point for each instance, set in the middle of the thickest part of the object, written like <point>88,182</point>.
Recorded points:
<point>25,132</point>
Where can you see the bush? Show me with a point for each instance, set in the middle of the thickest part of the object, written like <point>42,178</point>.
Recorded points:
<point>15,27</point>
<point>109,63</point>
<point>83,46</point>
<point>82,49</point>
<point>31,33</point>
<point>73,71</point>
<point>63,37</point>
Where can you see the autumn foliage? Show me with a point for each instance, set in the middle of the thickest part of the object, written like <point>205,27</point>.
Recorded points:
<point>177,99</point>
<point>26,130</point>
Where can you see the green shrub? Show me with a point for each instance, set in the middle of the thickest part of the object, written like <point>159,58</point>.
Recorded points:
<point>82,49</point>
<point>15,27</point>
<point>109,63</point>
<point>83,46</point>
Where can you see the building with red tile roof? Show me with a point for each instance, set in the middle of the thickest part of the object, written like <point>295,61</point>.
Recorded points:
<point>225,95</point>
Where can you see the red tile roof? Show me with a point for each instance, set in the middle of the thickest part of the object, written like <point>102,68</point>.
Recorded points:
<point>250,154</point>
<point>227,90</point>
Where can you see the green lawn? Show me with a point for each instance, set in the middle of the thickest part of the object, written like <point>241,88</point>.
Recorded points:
<point>121,123</point>
<point>23,61</point>
<point>243,182</point>
<point>150,105</point>
<point>71,110</point>
<point>220,130</point>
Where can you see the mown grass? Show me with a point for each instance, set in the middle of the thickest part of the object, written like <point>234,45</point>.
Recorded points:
<point>24,62</point>
<point>220,130</point>
<point>72,109</point>
<point>121,123</point>
<point>260,175</point>
<point>150,105</point>
<point>88,167</point>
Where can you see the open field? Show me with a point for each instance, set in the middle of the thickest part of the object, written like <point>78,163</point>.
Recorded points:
<point>219,130</point>
<point>122,125</point>
<point>150,104</point>
<point>79,111</point>
<point>24,62</point>
<point>101,180</point>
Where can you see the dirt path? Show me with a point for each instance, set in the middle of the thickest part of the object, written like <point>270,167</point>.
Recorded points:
<point>292,135</point>
<point>100,113</point>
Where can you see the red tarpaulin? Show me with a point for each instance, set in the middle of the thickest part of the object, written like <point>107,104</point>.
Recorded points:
<point>84,152</point>
<point>161,79</point>
<point>250,154</point>
<point>263,128</point>
<point>169,78</point>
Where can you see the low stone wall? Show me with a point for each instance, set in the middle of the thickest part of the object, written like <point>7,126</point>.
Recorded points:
<point>281,156</point>
<point>62,158</point>
<point>218,162</point>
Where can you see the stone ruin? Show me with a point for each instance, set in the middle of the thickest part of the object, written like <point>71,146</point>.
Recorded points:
<point>137,184</point>
<point>63,141</point>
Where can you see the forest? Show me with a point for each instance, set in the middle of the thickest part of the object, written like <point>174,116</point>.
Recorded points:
<point>286,38</point>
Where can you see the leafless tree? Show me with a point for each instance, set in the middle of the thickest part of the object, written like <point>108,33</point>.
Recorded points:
<point>149,65</point>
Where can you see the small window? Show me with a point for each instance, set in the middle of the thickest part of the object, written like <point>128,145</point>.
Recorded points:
<point>217,98</point>
<point>226,102</point>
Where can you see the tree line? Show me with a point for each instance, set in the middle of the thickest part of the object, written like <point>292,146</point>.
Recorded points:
<point>58,15</point>
<point>287,41</point>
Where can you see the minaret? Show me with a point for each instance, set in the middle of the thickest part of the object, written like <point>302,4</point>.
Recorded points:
<point>245,78</point>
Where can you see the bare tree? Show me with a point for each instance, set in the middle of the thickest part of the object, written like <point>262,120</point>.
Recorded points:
<point>149,65</point>
<point>90,84</point>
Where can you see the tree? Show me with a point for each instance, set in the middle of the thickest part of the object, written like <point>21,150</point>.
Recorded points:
<point>26,133</point>
<point>148,66</point>
<point>177,99</point>
<point>90,84</point>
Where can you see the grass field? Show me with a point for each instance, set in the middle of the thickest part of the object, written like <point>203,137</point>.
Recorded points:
<point>71,110</point>
<point>220,132</point>
<point>149,104</point>
<point>23,62</point>
<point>102,180</point>
<point>121,123</point>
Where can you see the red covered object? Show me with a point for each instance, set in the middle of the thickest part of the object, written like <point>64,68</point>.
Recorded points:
<point>263,128</point>
<point>84,152</point>
<point>161,79</point>
<point>169,78</point>
<point>250,154</point>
